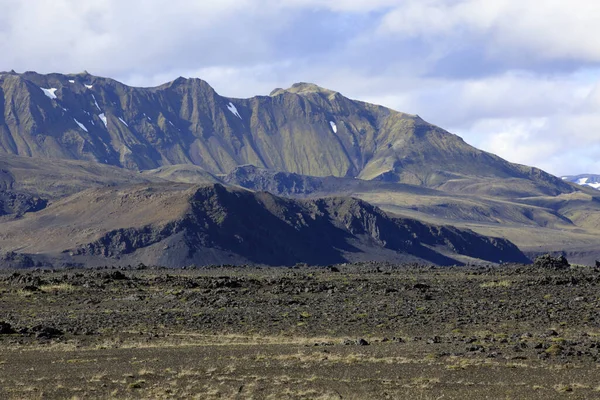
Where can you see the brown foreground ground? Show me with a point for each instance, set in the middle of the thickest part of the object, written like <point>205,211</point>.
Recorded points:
<point>369,331</point>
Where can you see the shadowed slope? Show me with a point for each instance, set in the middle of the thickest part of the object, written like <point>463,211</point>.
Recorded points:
<point>176,224</point>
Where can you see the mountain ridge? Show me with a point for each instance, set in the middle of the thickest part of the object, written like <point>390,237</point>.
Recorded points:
<point>304,129</point>
<point>179,224</point>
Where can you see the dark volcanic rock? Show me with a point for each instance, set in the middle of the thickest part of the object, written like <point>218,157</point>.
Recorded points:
<point>115,276</point>
<point>279,183</point>
<point>16,260</point>
<point>19,203</point>
<point>6,329</point>
<point>46,332</point>
<point>548,261</point>
<point>461,320</point>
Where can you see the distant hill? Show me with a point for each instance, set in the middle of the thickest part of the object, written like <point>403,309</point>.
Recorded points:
<point>590,180</point>
<point>30,184</point>
<point>184,173</point>
<point>177,224</point>
<point>54,179</point>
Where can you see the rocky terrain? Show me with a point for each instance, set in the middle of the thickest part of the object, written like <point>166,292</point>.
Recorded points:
<point>351,331</point>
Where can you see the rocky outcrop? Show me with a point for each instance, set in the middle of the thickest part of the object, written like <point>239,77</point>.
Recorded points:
<point>279,183</point>
<point>20,203</point>
<point>12,259</point>
<point>126,241</point>
<point>548,261</point>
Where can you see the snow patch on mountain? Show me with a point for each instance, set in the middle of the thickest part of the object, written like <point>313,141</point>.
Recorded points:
<point>96,103</point>
<point>50,93</point>
<point>104,120</point>
<point>121,119</point>
<point>80,125</point>
<point>333,126</point>
<point>234,110</point>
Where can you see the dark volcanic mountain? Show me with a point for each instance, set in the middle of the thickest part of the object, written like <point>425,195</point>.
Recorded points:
<point>305,129</point>
<point>177,224</point>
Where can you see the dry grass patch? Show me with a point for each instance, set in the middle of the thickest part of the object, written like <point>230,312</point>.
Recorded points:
<point>563,388</point>
<point>497,284</point>
<point>423,382</point>
<point>61,287</point>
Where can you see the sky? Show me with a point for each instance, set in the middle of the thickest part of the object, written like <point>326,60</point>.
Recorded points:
<point>518,78</point>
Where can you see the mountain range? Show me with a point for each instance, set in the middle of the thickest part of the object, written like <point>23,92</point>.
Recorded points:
<point>590,180</point>
<point>78,152</point>
<point>305,129</point>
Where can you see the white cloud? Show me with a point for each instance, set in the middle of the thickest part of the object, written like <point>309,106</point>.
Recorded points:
<point>518,140</point>
<point>562,144</point>
<point>112,36</point>
<point>343,5</point>
<point>561,149</point>
<point>552,29</point>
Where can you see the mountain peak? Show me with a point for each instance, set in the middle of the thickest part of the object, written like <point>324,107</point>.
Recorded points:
<point>303,88</point>
<point>182,81</point>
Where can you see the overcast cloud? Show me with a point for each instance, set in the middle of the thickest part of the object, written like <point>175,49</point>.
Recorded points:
<point>519,78</point>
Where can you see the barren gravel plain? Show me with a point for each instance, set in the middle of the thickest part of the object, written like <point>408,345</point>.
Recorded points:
<point>353,331</point>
